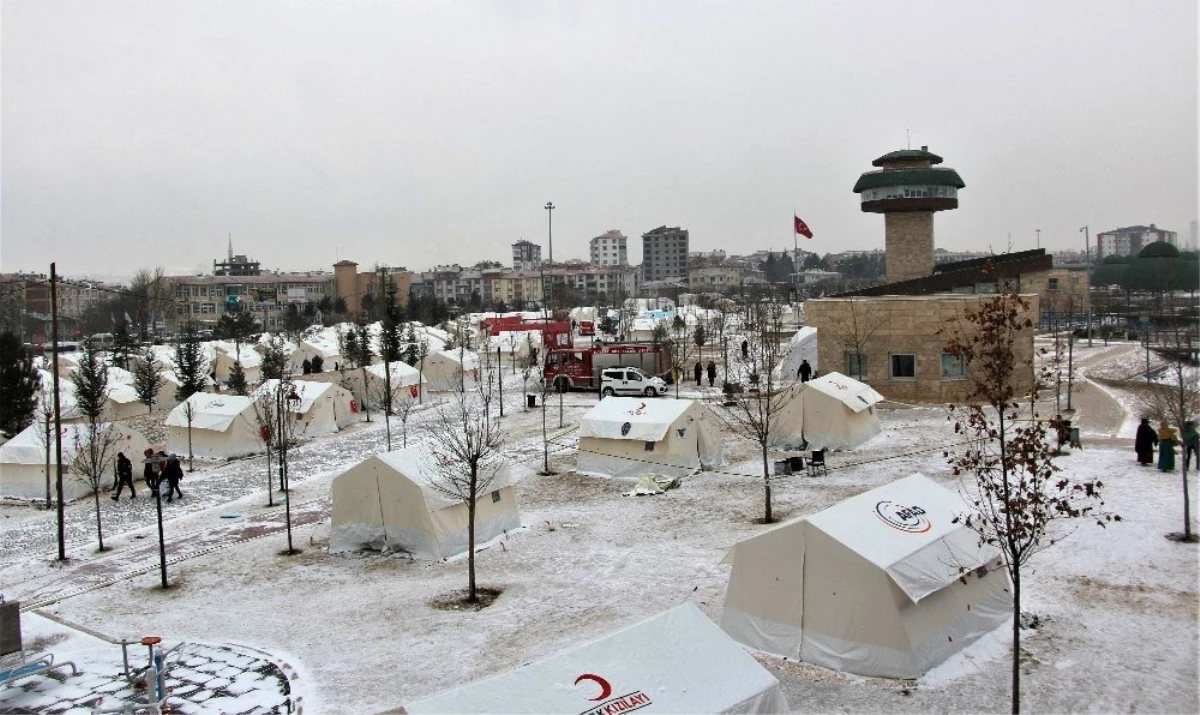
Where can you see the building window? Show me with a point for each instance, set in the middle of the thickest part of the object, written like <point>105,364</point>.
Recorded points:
<point>649,446</point>
<point>1053,284</point>
<point>953,367</point>
<point>856,365</point>
<point>904,367</point>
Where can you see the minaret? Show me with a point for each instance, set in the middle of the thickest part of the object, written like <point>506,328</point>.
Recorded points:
<point>907,189</point>
<point>231,246</point>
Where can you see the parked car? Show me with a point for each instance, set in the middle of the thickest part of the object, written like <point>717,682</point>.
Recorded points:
<point>630,381</point>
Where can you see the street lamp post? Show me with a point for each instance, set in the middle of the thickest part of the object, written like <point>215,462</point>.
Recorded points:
<point>550,239</point>
<point>1087,265</point>
<point>292,398</point>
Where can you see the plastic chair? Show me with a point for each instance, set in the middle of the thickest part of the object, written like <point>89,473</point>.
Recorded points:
<point>816,463</point>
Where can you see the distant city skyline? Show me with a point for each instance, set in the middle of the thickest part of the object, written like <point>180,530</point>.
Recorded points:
<point>139,134</point>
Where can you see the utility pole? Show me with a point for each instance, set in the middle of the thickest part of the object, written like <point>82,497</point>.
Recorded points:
<point>58,470</point>
<point>1039,237</point>
<point>1087,264</point>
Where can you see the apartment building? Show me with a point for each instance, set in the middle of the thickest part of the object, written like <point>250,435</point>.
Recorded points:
<point>609,249</point>
<point>665,254</point>
<point>526,255</point>
<point>203,299</point>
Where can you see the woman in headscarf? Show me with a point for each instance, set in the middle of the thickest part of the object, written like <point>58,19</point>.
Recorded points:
<point>1144,442</point>
<point>1166,448</point>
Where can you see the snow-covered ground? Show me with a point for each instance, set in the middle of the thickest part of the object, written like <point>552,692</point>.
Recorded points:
<point>361,636</point>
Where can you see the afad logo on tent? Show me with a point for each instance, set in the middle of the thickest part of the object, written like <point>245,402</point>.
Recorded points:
<point>628,702</point>
<point>910,519</point>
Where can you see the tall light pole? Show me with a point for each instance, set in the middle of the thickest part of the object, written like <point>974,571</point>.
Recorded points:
<point>1087,264</point>
<point>550,240</point>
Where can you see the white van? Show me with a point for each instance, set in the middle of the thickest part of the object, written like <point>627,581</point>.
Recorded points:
<point>630,381</point>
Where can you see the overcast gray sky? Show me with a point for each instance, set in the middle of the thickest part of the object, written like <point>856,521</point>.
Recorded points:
<point>415,133</point>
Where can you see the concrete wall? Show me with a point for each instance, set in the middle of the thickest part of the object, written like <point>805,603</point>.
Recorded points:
<point>887,325</point>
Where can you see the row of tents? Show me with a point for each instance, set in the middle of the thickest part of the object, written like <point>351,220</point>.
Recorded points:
<point>887,583</point>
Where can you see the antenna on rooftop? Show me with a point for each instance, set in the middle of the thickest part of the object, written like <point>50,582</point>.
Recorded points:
<point>907,140</point>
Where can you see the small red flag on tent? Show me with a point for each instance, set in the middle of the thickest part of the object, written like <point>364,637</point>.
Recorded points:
<point>801,227</point>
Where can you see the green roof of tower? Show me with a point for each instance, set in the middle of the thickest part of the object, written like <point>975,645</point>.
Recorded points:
<point>908,155</point>
<point>925,176</point>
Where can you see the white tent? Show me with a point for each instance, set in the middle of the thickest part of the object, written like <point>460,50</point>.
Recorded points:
<point>803,346</point>
<point>322,407</point>
<point>675,662</point>
<point>223,426</point>
<point>23,459</point>
<point>839,412</point>
<point>448,369</point>
<point>226,355</point>
<point>387,500</point>
<point>123,402</point>
<point>884,583</point>
<point>514,345</point>
<point>406,382</point>
<point>630,436</point>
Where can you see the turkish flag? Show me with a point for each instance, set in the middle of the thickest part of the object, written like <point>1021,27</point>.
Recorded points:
<point>801,227</point>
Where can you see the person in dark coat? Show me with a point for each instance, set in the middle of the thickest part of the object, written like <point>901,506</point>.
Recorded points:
<point>805,371</point>
<point>173,472</point>
<point>712,372</point>
<point>745,349</point>
<point>1144,441</point>
<point>150,470</point>
<point>698,371</point>
<point>124,477</point>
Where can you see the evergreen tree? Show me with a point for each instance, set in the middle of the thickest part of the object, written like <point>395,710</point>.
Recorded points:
<point>237,379</point>
<point>275,359</point>
<point>190,366</point>
<point>91,384</point>
<point>411,352</point>
<point>147,380</point>
<point>350,347</point>
<point>19,383</point>
<point>389,337</point>
<point>318,364</point>
<point>124,345</point>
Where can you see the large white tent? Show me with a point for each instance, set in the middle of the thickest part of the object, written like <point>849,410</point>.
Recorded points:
<point>406,382</point>
<point>226,354</point>
<point>884,583</point>
<point>675,662</point>
<point>839,412</point>
<point>222,426</point>
<point>803,346</point>
<point>450,369</point>
<point>23,459</point>
<point>388,500</point>
<point>631,436</point>
<point>319,408</point>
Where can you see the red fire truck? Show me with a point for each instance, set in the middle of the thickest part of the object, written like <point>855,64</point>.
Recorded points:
<point>579,367</point>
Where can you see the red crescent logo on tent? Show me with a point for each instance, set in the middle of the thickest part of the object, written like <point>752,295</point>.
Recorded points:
<point>605,688</point>
<point>413,390</point>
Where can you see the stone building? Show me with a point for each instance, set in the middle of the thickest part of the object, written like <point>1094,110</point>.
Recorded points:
<point>203,299</point>
<point>896,343</point>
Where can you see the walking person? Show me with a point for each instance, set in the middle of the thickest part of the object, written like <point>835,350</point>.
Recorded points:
<point>124,477</point>
<point>698,371</point>
<point>1143,443</point>
<point>805,371</point>
<point>150,470</point>
<point>173,472</point>
<point>712,372</point>
<point>1166,448</point>
<point>745,349</point>
<point>1191,444</point>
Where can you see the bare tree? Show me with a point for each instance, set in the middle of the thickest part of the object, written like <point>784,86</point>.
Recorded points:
<point>403,407</point>
<point>274,405</point>
<point>393,398</point>
<point>96,446</point>
<point>755,410</point>
<point>43,417</point>
<point>265,415</point>
<point>189,413</point>
<point>1017,495</point>
<point>468,439</point>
